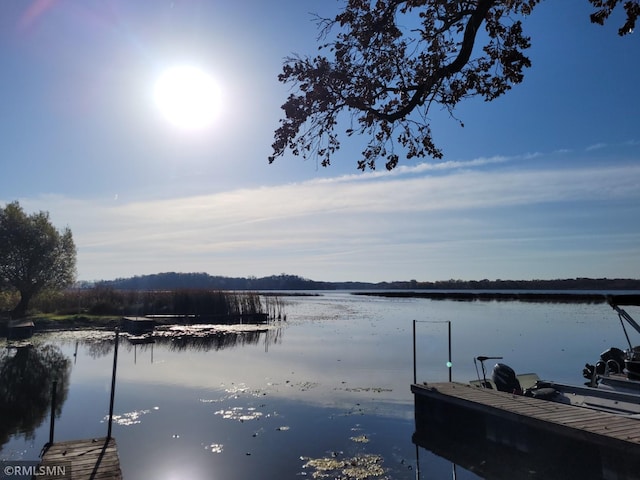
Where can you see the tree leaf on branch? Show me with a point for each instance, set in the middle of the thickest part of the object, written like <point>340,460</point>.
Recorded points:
<point>606,7</point>
<point>390,61</point>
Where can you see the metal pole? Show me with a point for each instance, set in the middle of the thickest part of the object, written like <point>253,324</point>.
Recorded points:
<point>450,364</point>
<point>414,353</point>
<point>54,390</point>
<point>113,382</point>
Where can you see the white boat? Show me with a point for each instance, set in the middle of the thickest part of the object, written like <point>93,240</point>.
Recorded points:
<point>618,369</point>
<point>613,382</point>
<point>612,395</point>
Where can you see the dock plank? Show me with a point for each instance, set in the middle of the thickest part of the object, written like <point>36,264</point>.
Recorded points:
<point>90,459</point>
<point>580,422</point>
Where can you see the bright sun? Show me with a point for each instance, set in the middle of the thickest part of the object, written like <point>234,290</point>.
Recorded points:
<point>187,97</point>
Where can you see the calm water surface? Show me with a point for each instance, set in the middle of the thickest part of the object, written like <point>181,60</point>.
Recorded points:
<point>324,393</point>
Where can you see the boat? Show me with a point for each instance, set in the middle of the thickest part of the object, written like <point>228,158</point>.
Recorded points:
<point>618,369</point>
<point>607,397</point>
<point>591,430</point>
<point>613,383</point>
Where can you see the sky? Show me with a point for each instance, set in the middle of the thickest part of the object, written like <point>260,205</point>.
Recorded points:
<point>541,183</point>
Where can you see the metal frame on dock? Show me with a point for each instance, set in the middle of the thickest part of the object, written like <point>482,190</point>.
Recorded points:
<point>449,363</point>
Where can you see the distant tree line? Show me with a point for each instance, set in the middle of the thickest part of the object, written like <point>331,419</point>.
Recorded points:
<point>557,284</point>
<point>203,294</point>
<point>172,280</point>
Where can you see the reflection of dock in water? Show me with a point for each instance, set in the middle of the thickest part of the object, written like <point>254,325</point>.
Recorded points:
<point>553,459</point>
<point>87,459</point>
<point>491,433</point>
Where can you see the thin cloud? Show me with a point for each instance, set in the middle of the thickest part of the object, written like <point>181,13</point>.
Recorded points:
<point>421,168</point>
<point>595,146</point>
<point>364,223</point>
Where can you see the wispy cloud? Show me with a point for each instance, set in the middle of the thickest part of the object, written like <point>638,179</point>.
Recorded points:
<point>595,146</point>
<point>358,223</point>
<point>427,167</point>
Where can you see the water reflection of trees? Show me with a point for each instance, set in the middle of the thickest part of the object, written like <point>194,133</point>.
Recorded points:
<point>99,344</point>
<point>206,340</point>
<point>99,348</point>
<point>96,343</point>
<point>26,379</point>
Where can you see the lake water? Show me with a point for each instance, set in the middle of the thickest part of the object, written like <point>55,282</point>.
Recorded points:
<point>325,392</point>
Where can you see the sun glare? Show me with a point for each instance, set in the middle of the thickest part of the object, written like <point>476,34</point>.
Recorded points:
<point>187,97</point>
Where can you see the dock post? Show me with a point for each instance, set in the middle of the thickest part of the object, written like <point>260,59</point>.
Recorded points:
<point>449,363</point>
<point>113,382</point>
<point>54,390</point>
<point>414,353</point>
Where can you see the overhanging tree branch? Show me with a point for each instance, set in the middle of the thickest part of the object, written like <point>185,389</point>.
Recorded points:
<point>389,61</point>
<point>476,17</point>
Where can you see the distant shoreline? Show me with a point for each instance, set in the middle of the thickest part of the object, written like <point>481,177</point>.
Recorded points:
<point>470,296</point>
<point>182,281</point>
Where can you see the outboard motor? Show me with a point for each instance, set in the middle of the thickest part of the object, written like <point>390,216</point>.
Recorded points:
<point>505,379</point>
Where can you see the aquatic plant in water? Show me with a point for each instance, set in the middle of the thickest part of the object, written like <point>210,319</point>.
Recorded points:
<point>360,467</point>
<point>360,439</point>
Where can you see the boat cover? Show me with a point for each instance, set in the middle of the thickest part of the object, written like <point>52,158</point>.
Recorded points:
<point>624,300</point>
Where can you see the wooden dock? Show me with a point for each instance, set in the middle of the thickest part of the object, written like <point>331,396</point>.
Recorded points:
<point>20,329</point>
<point>90,459</point>
<point>529,425</point>
<point>137,325</point>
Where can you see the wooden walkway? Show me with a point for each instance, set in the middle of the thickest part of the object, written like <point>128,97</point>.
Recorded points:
<point>580,423</point>
<point>91,459</point>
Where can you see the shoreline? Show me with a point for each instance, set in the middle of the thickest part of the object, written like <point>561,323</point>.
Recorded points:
<point>472,296</point>
<point>43,323</point>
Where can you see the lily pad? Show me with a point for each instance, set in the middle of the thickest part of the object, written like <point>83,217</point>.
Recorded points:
<point>360,439</point>
<point>361,467</point>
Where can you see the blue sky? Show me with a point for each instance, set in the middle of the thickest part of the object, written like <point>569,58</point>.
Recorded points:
<point>541,183</point>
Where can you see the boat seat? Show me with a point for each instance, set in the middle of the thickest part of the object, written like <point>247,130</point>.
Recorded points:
<point>546,393</point>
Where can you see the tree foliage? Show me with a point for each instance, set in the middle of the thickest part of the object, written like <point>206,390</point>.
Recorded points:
<point>34,255</point>
<point>389,61</point>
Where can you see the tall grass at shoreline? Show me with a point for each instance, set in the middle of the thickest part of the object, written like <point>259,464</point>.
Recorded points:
<point>108,301</point>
